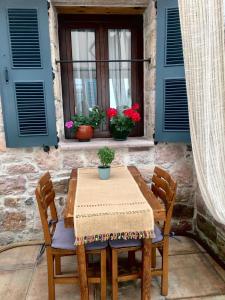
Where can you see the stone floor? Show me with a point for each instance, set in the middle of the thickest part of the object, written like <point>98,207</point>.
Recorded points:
<point>193,275</point>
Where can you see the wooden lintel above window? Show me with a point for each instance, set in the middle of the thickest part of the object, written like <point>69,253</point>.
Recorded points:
<point>100,10</point>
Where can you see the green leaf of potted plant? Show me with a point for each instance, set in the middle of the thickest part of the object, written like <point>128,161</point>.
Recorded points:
<point>84,125</point>
<point>106,156</point>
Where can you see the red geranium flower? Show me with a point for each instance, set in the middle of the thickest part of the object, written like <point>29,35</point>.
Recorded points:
<point>135,106</point>
<point>111,112</point>
<point>135,117</point>
<point>128,112</point>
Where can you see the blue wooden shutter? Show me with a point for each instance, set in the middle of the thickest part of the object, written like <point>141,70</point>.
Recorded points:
<point>26,74</point>
<point>172,121</point>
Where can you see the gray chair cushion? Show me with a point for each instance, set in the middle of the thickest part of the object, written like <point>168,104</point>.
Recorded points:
<point>64,238</point>
<point>136,243</point>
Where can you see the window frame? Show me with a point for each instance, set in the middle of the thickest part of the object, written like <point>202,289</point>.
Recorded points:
<point>101,24</point>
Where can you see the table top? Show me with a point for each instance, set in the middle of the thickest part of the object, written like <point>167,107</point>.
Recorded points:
<point>157,207</point>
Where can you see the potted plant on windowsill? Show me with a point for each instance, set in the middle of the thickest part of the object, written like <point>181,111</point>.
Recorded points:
<point>106,156</point>
<point>84,125</point>
<point>122,122</point>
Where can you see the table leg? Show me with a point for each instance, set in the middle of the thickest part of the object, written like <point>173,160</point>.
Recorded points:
<point>82,268</point>
<point>146,270</point>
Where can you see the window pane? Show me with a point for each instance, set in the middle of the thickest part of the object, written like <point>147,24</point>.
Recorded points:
<point>119,72</point>
<point>84,74</point>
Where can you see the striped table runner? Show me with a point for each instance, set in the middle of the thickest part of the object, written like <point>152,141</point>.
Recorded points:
<point>110,209</point>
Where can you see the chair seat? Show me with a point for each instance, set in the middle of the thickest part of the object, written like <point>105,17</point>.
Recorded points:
<point>136,243</point>
<point>64,238</point>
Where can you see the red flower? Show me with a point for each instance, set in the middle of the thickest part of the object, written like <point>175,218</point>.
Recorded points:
<point>135,106</point>
<point>111,112</point>
<point>135,117</point>
<point>128,112</point>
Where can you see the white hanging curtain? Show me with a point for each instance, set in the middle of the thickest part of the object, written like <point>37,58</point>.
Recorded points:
<point>119,72</point>
<point>202,27</point>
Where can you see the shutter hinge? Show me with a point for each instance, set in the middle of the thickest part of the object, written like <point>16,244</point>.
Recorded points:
<point>46,148</point>
<point>57,146</point>
<point>156,7</point>
<point>155,142</point>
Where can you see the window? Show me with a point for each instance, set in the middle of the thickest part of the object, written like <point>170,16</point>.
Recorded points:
<point>96,43</point>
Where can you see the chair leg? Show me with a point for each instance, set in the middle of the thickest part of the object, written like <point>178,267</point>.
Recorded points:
<point>114,274</point>
<point>164,277</point>
<point>58,265</point>
<point>103,275</point>
<point>51,284</point>
<point>153,257</point>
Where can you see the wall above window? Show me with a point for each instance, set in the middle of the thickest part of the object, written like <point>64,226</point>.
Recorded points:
<point>101,3</point>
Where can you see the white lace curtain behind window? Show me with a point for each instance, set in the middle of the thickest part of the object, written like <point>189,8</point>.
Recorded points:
<point>202,27</point>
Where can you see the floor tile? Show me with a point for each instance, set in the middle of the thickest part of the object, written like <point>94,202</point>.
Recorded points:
<point>192,276</point>
<point>217,267</point>
<point>14,284</point>
<point>18,258</point>
<point>183,245</point>
<point>66,260</point>
<point>222,297</point>
<point>39,287</point>
<point>132,290</point>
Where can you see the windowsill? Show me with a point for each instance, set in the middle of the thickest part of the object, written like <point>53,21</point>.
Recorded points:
<point>132,142</point>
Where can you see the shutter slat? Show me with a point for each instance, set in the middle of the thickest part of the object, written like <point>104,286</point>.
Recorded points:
<point>173,38</point>
<point>30,114</point>
<point>24,37</point>
<point>175,105</point>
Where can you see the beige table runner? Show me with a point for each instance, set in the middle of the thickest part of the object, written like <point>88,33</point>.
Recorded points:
<point>110,209</point>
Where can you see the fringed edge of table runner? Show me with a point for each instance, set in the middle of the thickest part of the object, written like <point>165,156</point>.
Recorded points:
<point>115,236</point>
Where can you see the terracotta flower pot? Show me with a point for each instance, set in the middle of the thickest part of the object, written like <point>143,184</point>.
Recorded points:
<point>84,133</point>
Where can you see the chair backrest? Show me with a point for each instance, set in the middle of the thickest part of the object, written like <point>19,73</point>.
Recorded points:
<point>164,187</point>
<point>45,196</point>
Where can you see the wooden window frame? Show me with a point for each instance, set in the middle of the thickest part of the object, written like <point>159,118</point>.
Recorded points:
<point>101,24</point>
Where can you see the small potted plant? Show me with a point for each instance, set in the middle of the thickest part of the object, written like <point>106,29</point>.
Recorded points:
<point>122,122</point>
<point>84,125</point>
<point>106,156</point>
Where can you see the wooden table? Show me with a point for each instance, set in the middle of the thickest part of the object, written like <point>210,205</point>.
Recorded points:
<point>159,215</point>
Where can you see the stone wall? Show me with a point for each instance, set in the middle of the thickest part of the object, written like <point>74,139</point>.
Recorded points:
<point>207,228</point>
<point>21,168</point>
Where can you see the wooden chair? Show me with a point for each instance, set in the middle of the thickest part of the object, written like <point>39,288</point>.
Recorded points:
<point>59,242</point>
<point>164,188</point>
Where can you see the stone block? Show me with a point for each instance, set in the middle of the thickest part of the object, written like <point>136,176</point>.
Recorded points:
<point>221,245</point>
<point>20,168</point>
<point>6,237</point>
<point>182,172</point>
<point>29,201</point>
<point>185,194</point>
<point>181,226</point>
<point>61,186</point>
<point>183,211</point>
<point>72,160</point>
<point>48,161</point>
<point>13,221</point>
<point>141,158</point>
<point>207,228</point>
<point>11,202</point>
<point>12,185</point>
<point>2,143</point>
<point>169,153</point>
